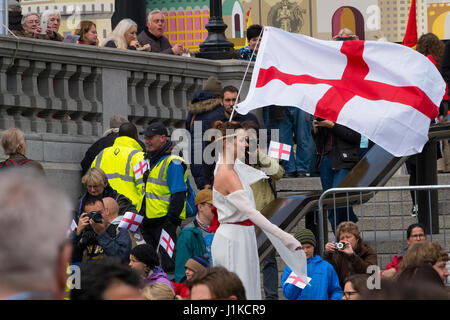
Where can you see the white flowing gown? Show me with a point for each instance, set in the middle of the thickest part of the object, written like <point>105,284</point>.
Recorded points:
<point>234,246</point>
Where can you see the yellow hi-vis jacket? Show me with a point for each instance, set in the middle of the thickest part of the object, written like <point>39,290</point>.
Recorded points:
<point>117,162</point>
<point>157,193</point>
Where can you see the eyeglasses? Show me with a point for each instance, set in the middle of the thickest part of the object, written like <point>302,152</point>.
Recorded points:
<point>348,294</point>
<point>417,236</point>
<point>97,186</point>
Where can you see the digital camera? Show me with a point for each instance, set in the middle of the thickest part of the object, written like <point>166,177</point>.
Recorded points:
<point>339,246</point>
<point>96,216</point>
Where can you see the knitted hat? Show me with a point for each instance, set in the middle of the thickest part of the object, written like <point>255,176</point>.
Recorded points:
<point>197,263</point>
<point>146,254</point>
<point>213,85</point>
<point>306,236</point>
<point>203,196</point>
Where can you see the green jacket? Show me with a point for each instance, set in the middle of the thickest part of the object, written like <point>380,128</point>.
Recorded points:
<point>190,243</point>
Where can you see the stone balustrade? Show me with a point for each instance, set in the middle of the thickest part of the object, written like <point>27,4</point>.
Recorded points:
<point>62,95</point>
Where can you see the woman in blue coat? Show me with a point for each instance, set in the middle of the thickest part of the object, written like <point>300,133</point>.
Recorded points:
<point>324,284</point>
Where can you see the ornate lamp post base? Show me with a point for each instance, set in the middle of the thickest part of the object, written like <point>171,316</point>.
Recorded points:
<point>216,46</point>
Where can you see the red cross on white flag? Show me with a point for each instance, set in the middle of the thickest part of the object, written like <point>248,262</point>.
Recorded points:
<point>387,92</point>
<point>279,150</point>
<point>167,243</point>
<point>131,221</point>
<point>140,168</point>
<point>296,281</point>
<point>72,227</point>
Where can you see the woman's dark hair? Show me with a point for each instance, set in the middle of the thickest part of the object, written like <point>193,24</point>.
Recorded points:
<point>419,273</point>
<point>393,290</point>
<point>358,281</point>
<point>227,125</point>
<point>250,124</point>
<point>429,44</point>
<point>411,227</point>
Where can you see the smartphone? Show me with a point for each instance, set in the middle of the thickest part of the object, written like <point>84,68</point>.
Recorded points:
<point>44,26</point>
<point>140,49</point>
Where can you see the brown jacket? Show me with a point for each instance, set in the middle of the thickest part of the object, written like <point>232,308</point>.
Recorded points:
<point>54,37</point>
<point>346,265</point>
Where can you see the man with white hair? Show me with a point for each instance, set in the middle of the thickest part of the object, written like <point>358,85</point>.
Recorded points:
<point>53,20</point>
<point>153,35</point>
<point>34,252</point>
<point>31,24</point>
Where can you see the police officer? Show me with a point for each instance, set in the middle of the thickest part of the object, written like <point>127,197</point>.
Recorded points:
<point>165,191</point>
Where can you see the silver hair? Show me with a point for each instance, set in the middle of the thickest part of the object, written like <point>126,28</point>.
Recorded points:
<point>149,16</point>
<point>118,34</point>
<point>47,13</point>
<point>116,121</point>
<point>26,15</point>
<point>35,217</point>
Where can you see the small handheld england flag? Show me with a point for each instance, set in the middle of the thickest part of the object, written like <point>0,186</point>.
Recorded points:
<point>131,221</point>
<point>279,150</point>
<point>140,168</point>
<point>297,281</point>
<point>167,243</point>
<point>73,226</point>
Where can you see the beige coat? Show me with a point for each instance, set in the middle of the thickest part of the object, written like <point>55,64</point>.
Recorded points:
<point>262,191</point>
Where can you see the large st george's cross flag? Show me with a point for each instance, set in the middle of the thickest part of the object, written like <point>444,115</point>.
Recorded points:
<point>385,91</point>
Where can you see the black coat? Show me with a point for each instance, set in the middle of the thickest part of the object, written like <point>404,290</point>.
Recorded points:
<point>341,143</point>
<point>446,63</point>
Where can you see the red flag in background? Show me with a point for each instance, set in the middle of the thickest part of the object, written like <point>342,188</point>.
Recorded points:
<point>410,39</point>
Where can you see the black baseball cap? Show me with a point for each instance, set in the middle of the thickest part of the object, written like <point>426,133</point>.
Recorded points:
<point>155,128</point>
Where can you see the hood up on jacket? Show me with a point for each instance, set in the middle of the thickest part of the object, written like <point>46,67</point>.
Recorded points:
<point>203,101</point>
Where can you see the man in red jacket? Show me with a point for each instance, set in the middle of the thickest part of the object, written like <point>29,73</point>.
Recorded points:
<point>415,233</point>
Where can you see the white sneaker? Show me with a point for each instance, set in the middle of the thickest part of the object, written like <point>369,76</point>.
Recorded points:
<point>414,210</point>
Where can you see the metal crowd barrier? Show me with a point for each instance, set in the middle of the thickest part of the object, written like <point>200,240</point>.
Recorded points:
<point>359,196</point>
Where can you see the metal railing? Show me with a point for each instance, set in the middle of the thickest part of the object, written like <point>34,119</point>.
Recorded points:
<point>360,196</point>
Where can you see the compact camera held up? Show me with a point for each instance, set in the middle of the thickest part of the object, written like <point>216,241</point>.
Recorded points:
<point>339,246</point>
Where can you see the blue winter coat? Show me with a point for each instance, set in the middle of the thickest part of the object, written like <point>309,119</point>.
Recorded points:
<point>324,283</point>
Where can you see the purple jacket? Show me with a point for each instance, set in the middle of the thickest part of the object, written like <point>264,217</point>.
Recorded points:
<point>158,276</point>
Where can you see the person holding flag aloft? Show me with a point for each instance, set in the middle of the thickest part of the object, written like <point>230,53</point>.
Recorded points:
<point>164,204</point>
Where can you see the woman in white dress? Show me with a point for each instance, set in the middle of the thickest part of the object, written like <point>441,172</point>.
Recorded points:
<point>234,245</point>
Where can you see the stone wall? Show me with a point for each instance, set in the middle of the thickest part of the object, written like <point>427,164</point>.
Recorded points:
<point>63,95</point>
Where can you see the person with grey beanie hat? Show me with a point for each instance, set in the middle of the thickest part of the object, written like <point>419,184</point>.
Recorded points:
<point>324,279</point>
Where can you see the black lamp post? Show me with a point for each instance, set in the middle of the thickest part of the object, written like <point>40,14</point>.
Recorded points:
<point>216,46</point>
